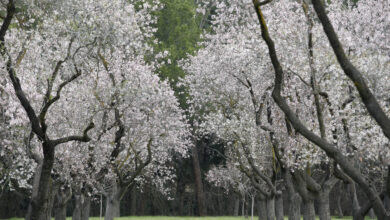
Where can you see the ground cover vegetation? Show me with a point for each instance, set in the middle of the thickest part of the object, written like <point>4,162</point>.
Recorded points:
<point>274,109</point>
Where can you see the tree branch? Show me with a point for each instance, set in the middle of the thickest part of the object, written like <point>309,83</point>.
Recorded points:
<point>83,138</point>
<point>350,70</point>
<point>48,101</point>
<point>14,79</point>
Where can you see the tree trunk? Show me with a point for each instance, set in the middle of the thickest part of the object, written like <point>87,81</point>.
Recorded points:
<point>40,204</point>
<point>294,207</point>
<point>236,206</point>
<point>386,202</point>
<point>76,215</point>
<point>34,189</point>
<point>243,207</point>
<point>113,202</point>
<point>198,182</point>
<point>279,207</point>
<point>262,208</point>
<point>271,208</point>
<point>252,205</point>
<point>86,205</point>
<point>60,212</point>
<point>294,199</point>
<point>339,210</point>
<point>355,202</point>
<point>133,204</point>
<point>62,196</point>
<point>323,206</point>
<point>50,203</point>
<point>308,210</point>
<point>371,214</point>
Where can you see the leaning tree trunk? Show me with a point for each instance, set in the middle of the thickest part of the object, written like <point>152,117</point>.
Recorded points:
<point>308,210</point>
<point>279,207</point>
<point>262,208</point>
<point>271,208</point>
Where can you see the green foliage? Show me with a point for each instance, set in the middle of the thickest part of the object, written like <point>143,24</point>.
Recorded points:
<point>178,33</point>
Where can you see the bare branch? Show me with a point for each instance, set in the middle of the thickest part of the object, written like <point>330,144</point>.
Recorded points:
<point>299,76</point>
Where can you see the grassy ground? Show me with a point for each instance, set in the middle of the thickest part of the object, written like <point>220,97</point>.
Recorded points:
<point>182,218</point>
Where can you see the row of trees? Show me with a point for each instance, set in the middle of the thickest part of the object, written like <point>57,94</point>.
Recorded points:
<point>279,98</point>
<point>83,113</point>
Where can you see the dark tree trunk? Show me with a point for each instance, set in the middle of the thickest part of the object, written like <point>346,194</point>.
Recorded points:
<point>86,204</point>
<point>308,210</point>
<point>60,202</point>
<point>271,208</point>
<point>236,205</point>
<point>355,202</point>
<point>113,202</point>
<point>76,215</point>
<point>133,204</point>
<point>323,206</point>
<point>35,187</point>
<point>339,210</point>
<point>198,182</point>
<point>60,212</point>
<point>50,203</point>
<point>371,214</point>
<point>279,207</point>
<point>262,208</point>
<point>294,199</point>
<point>40,205</point>
<point>386,202</point>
